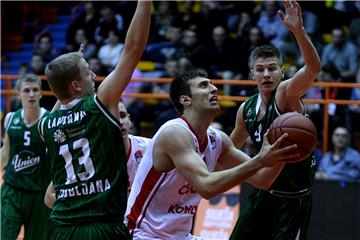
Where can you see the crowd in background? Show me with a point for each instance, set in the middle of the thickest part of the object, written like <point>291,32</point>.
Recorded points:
<point>217,36</point>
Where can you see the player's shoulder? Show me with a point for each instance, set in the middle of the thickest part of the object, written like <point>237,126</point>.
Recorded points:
<point>139,139</point>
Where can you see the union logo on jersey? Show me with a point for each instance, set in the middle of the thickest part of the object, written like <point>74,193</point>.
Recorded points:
<point>59,136</point>
<point>16,121</point>
<point>138,156</point>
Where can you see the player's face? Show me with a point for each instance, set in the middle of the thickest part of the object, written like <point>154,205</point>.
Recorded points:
<point>204,95</point>
<point>124,120</point>
<point>30,94</point>
<point>87,79</point>
<point>267,73</point>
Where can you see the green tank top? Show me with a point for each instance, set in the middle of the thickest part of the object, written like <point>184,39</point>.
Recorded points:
<point>88,161</point>
<point>28,167</point>
<point>293,177</point>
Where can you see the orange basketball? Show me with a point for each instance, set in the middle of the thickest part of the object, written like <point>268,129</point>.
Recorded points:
<point>300,130</point>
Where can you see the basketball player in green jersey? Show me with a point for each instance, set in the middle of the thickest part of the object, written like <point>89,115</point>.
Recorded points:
<point>85,144</point>
<point>26,166</point>
<point>282,209</point>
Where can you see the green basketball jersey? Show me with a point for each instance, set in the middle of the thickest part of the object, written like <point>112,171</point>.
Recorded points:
<point>88,161</point>
<point>28,166</point>
<point>294,177</point>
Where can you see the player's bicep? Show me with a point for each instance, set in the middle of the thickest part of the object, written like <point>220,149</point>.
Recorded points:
<point>230,155</point>
<point>184,157</point>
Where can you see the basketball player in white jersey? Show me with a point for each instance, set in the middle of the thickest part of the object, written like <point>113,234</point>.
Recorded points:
<point>179,166</point>
<point>135,146</point>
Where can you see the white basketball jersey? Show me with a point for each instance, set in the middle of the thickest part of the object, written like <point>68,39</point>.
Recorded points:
<point>162,205</point>
<point>138,146</point>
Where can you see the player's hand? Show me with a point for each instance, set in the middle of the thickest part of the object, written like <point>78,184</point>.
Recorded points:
<point>273,154</point>
<point>292,19</point>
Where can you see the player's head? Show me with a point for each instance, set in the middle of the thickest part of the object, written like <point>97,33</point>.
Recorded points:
<point>29,90</point>
<point>69,76</point>
<point>124,119</point>
<point>194,89</point>
<point>266,67</point>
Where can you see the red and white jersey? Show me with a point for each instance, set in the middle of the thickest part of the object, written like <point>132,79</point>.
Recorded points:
<point>138,146</point>
<point>162,205</point>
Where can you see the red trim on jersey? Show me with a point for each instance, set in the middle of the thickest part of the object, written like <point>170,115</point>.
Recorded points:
<point>203,146</point>
<point>129,152</point>
<point>150,182</point>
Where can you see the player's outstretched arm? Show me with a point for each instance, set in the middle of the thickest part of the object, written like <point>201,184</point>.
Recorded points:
<point>194,169</point>
<point>110,90</point>
<point>298,85</point>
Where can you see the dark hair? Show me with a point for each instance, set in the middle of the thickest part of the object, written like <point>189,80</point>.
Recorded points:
<point>61,71</point>
<point>266,51</point>
<point>331,68</point>
<point>180,86</point>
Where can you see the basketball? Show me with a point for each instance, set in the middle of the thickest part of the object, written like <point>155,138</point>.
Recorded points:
<point>300,130</point>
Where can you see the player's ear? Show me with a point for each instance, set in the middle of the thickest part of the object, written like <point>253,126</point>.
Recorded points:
<point>75,85</point>
<point>252,76</point>
<point>185,100</point>
<point>282,72</point>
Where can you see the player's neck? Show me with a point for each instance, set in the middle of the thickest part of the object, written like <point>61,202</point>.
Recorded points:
<point>198,124</point>
<point>31,115</point>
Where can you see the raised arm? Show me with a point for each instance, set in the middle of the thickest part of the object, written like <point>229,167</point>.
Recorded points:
<point>239,134</point>
<point>194,169</point>
<point>298,85</point>
<point>110,90</point>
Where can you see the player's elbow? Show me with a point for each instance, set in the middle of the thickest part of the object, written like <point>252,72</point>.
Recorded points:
<point>49,200</point>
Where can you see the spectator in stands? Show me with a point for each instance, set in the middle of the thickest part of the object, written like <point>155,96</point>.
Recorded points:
<point>342,53</point>
<point>193,49</point>
<point>109,21</point>
<point>165,13</point>
<point>96,66</point>
<point>343,162</point>
<point>271,26</point>
<point>44,47</point>
<point>37,64</point>
<point>338,114</point>
<point>109,53</point>
<point>90,49</point>
<point>87,20</point>
<point>160,51</point>
<point>221,55</point>
<point>354,32</point>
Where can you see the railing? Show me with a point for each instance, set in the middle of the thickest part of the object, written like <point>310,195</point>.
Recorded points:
<point>326,101</point>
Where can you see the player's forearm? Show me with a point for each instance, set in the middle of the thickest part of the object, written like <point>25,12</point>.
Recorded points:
<point>308,51</point>
<point>265,177</point>
<point>138,31</point>
<point>218,182</point>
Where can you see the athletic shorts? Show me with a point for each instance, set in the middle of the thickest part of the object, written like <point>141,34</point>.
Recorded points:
<point>21,207</point>
<point>267,216</point>
<point>91,231</point>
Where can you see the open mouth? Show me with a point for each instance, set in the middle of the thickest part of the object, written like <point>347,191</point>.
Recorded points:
<point>214,99</point>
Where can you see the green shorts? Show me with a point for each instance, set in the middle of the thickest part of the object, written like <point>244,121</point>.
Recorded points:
<point>267,216</point>
<point>21,207</point>
<point>90,231</point>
